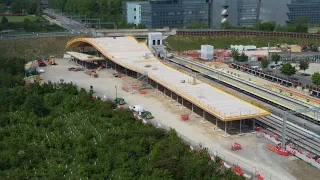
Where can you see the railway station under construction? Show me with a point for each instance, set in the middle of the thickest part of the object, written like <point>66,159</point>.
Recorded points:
<point>127,55</point>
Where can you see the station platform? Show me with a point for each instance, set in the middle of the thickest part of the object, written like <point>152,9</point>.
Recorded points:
<point>129,53</point>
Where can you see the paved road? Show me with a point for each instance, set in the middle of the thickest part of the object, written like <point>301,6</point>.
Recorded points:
<point>67,23</point>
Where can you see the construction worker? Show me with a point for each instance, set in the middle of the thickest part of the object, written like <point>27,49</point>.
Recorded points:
<point>91,89</point>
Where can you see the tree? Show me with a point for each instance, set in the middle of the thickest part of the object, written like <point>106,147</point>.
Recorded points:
<point>304,64</point>
<point>243,57</point>
<point>4,20</point>
<point>302,24</point>
<point>316,78</point>
<point>197,25</point>
<point>275,58</point>
<point>17,6</point>
<point>35,104</point>
<point>288,69</point>
<point>264,63</point>
<point>3,8</point>
<point>235,54</point>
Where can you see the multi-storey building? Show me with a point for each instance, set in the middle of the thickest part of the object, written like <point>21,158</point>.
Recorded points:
<point>180,13</point>
<point>171,13</point>
<point>304,8</point>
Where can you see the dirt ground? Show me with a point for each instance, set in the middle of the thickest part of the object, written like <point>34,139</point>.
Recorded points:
<point>254,155</point>
<point>301,169</point>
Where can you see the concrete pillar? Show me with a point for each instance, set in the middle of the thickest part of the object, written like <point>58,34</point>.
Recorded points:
<point>253,124</point>
<point>177,98</point>
<point>157,86</point>
<point>171,94</point>
<point>240,127</point>
<point>225,126</point>
<point>204,114</point>
<point>217,122</point>
<point>182,101</point>
<point>192,107</point>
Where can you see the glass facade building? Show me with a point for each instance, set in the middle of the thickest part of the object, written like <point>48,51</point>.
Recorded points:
<point>248,12</point>
<point>174,13</point>
<point>181,13</point>
<point>304,8</point>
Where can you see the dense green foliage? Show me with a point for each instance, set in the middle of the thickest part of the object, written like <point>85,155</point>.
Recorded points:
<point>20,6</point>
<point>300,26</point>
<point>11,72</point>
<point>30,26</point>
<point>195,42</point>
<point>304,64</point>
<point>264,63</point>
<point>106,10</point>
<point>316,79</point>
<point>287,69</point>
<point>54,131</point>
<point>275,58</point>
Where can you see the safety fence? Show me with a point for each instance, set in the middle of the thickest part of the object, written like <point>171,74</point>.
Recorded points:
<point>290,148</point>
<point>4,36</point>
<point>211,32</point>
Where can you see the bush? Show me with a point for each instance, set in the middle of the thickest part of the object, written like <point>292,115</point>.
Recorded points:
<point>35,104</point>
<point>4,20</point>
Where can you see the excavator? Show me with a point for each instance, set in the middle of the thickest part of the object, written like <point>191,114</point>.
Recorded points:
<point>306,47</point>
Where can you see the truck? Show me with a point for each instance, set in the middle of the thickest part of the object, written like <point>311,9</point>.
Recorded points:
<point>140,110</point>
<point>120,101</point>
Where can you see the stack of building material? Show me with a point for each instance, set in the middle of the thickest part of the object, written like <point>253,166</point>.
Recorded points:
<point>207,52</point>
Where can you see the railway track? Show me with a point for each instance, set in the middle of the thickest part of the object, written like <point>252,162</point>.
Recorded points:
<point>182,63</point>
<point>301,137</point>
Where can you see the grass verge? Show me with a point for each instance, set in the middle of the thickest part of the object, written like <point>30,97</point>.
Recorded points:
<point>16,19</point>
<point>193,43</point>
<point>33,48</point>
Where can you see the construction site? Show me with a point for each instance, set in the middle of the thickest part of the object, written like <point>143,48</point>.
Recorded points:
<point>168,95</point>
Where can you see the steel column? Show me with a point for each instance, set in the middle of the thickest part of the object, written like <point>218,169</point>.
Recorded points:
<point>283,141</point>
<point>225,126</point>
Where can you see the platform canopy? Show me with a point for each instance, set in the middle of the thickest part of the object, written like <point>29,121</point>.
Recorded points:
<point>85,57</point>
<point>129,53</point>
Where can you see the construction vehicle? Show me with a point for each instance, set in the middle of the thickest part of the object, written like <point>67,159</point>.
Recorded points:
<point>41,63</point>
<point>306,47</point>
<point>140,110</point>
<point>235,146</point>
<point>120,101</point>
<point>92,73</point>
<point>52,61</point>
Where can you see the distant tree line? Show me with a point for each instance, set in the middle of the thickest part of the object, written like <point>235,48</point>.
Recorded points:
<point>22,7</point>
<point>29,26</point>
<point>301,26</point>
<point>106,10</point>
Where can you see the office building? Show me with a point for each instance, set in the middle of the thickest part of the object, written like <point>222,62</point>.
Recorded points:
<point>304,8</point>
<point>131,11</point>
<point>181,13</point>
<point>274,10</point>
<point>168,13</point>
